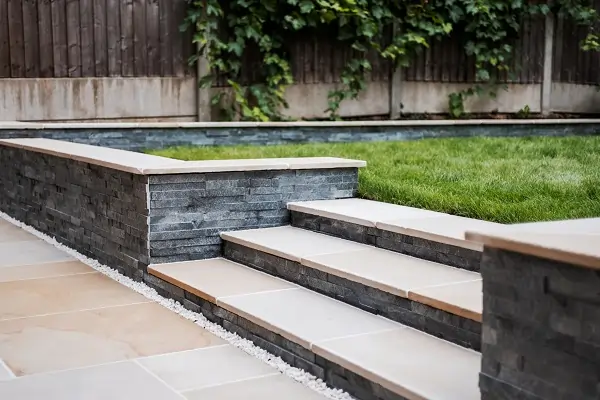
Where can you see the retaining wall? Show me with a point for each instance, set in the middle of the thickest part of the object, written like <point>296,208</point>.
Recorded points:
<point>137,137</point>
<point>128,210</point>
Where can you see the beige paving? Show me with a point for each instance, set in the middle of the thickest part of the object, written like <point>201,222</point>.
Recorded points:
<point>205,278</point>
<point>359,211</point>
<point>410,363</point>
<point>30,252</point>
<point>448,229</point>
<point>291,243</point>
<point>5,372</point>
<point>33,297</point>
<point>276,387</point>
<point>464,299</point>
<point>584,226</point>
<point>304,316</point>
<point>99,340</point>
<point>12,233</point>
<point>388,271</point>
<point>206,367</point>
<point>119,381</point>
<point>578,249</point>
<point>46,270</point>
<point>78,339</point>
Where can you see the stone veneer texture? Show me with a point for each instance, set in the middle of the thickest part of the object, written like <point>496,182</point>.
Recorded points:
<point>157,138</point>
<point>451,327</point>
<point>442,253</point>
<point>188,211</point>
<point>98,211</point>
<point>541,329</point>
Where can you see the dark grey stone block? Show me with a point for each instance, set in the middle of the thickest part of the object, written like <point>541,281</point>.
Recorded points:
<point>417,247</point>
<point>436,322</point>
<point>540,331</point>
<point>95,210</point>
<point>187,215</point>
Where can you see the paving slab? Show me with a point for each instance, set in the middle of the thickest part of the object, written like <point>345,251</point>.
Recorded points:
<point>30,252</point>
<point>304,316</point>
<point>205,278</point>
<point>464,299</point>
<point>410,363</point>
<point>291,243</point>
<point>388,271</point>
<point>27,298</point>
<point>205,367</point>
<point>276,387</point>
<point>118,381</point>
<point>45,270</point>
<point>360,211</point>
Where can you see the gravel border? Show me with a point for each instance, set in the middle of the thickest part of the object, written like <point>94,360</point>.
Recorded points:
<point>247,346</point>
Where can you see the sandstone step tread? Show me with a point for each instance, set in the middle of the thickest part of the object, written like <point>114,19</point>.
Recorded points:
<point>395,273</point>
<point>425,224</point>
<point>423,367</point>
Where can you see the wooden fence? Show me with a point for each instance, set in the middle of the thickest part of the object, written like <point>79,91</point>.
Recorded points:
<point>99,39</point>
<point>92,38</point>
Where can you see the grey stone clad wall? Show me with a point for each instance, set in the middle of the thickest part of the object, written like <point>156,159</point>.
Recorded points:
<point>100,212</point>
<point>188,211</point>
<point>289,351</point>
<point>417,247</point>
<point>541,329</point>
<point>157,138</point>
<point>451,327</point>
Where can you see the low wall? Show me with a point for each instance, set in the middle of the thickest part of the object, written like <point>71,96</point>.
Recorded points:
<point>541,316</point>
<point>129,210</point>
<point>100,212</point>
<point>136,137</point>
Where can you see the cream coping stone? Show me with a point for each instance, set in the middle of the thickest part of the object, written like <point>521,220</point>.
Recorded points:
<point>579,249</point>
<point>425,224</point>
<point>299,124</point>
<point>327,254</point>
<point>146,164</point>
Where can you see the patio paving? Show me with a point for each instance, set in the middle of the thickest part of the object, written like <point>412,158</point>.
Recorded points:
<point>69,332</point>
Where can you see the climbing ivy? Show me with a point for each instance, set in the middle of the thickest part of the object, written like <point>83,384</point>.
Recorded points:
<point>225,29</point>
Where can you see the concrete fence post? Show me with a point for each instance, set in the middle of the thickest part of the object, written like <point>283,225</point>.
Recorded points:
<point>203,95</point>
<point>546,94</point>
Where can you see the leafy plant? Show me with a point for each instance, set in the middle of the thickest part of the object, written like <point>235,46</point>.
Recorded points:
<point>226,30</point>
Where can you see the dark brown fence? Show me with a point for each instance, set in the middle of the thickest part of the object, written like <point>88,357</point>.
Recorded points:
<point>570,63</point>
<point>87,38</point>
<point>445,60</point>
<point>136,38</point>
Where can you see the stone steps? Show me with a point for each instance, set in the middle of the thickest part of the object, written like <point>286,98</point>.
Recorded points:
<point>440,300</point>
<point>367,355</point>
<point>421,233</point>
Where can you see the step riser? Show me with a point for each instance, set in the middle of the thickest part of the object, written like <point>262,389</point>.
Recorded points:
<point>289,351</point>
<point>462,331</point>
<point>442,253</point>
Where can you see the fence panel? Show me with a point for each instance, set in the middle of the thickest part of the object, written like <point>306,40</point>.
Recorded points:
<point>445,60</point>
<point>93,38</point>
<point>571,64</point>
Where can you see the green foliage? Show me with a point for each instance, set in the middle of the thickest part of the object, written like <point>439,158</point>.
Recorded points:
<point>225,30</point>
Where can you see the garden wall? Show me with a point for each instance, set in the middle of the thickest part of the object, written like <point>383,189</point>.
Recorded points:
<point>541,332</point>
<point>137,137</point>
<point>128,210</point>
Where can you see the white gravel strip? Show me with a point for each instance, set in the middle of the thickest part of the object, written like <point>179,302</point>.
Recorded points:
<point>247,346</point>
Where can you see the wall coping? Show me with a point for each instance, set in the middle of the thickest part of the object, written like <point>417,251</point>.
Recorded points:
<point>581,249</point>
<point>6,125</point>
<point>146,164</point>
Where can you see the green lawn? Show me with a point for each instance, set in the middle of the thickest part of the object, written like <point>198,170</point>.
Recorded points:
<point>505,180</point>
